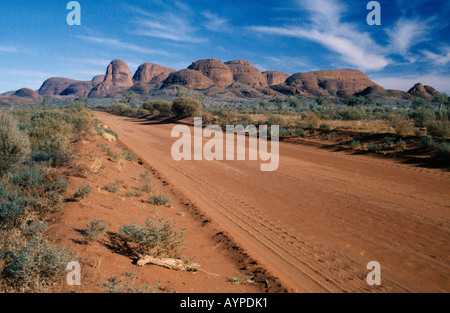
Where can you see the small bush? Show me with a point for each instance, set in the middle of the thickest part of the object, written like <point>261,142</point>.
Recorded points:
<point>299,133</point>
<point>157,237</point>
<point>127,284</point>
<point>439,128</point>
<point>130,156</point>
<point>83,192</point>
<point>159,200</point>
<point>402,125</point>
<point>276,120</point>
<point>94,230</point>
<point>325,127</point>
<point>14,144</point>
<point>35,266</point>
<point>355,143</point>
<point>428,143</point>
<point>443,150</point>
<point>112,187</point>
<point>186,107</point>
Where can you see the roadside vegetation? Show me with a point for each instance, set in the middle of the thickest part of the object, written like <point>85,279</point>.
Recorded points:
<point>358,123</point>
<point>34,145</point>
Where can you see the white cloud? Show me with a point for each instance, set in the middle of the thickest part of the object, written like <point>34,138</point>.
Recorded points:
<point>405,34</point>
<point>215,23</point>
<point>354,47</point>
<point>122,45</point>
<point>438,59</point>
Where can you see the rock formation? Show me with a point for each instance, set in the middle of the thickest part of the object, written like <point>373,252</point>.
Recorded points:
<point>188,78</point>
<point>245,73</point>
<point>217,71</point>
<point>275,77</point>
<point>55,85</point>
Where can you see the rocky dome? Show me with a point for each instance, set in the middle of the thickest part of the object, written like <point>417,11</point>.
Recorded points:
<point>421,91</point>
<point>399,94</point>
<point>275,77</point>
<point>188,78</point>
<point>152,73</point>
<point>216,70</point>
<point>373,90</point>
<point>98,79</point>
<point>334,82</point>
<point>55,85</point>
<point>27,93</point>
<point>245,73</point>
<point>117,76</point>
<point>79,89</point>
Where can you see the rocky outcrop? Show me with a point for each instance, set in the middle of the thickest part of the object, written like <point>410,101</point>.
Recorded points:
<point>374,90</point>
<point>98,79</point>
<point>27,93</point>
<point>275,77</point>
<point>55,85</point>
<point>399,94</point>
<point>117,77</point>
<point>341,83</point>
<point>245,73</point>
<point>152,73</point>
<point>217,71</point>
<point>78,89</point>
<point>421,91</point>
<point>188,78</point>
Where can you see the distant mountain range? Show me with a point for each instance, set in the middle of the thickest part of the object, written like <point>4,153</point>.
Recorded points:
<point>232,79</point>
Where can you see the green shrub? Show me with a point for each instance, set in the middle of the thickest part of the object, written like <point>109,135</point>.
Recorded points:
<point>130,156</point>
<point>112,187</point>
<point>14,144</point>
<point>401,124</point>
<point>325,127</point>
<point>300,133</point>
<point>428,143</point>
<point>276,120</point>
<point>157,237</point>
<point>94,230</point>
<point>186,106</point>
<point>159,200</point>
<point>34,266</point>
<point>355,143</point>
<point>83,192</point>
<point>439,128</point>
<point>127,284</point>
<point>443,150</point>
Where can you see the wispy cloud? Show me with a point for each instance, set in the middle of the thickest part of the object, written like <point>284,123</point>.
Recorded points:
<point>121,45</point>
<point>439,59</point>
<point>167,25</point>
<point>326,28</point>
<point>405,34</point>
<point>215,23</point>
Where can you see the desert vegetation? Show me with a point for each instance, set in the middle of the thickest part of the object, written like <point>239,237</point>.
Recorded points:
<point>35,144</point>
<point>364,122</point>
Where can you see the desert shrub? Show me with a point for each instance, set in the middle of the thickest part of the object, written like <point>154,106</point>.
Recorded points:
<point>299,132</point>
<point>428,143</point>
<point>41,156</point>
<point>311,120</point>
<point>130,156</point>
<point>423,116</point>
<point>439,128</point>
<point>117,108</point>
<point>112,187</point>
<point>375,147</point>
<point>325,127</point>
<point>443,150</point>
<point>94,230</point>
<point>159,200</point>
<point>355,143</point>
<point>162,106</point>
<point>186,106</point>
<point>401,124</point>
<point>276,120</point>
<point>83,192</point>
<point>157,237</point>
<point>34,266</point>
<point>351,114</point>
<point>127,284</point>
<point>284,132</point>
<point>229,116</point>
<point>14,144</point>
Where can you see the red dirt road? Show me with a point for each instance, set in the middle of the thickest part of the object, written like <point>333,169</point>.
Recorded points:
<point>320,218</point>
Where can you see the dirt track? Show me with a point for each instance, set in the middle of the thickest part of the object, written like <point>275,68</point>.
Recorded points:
<point>322,216</point>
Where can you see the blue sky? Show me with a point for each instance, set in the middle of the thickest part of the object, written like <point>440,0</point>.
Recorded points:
<point>411,44</point>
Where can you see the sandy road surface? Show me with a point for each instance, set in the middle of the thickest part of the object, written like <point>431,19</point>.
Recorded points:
<point>322,216</point>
